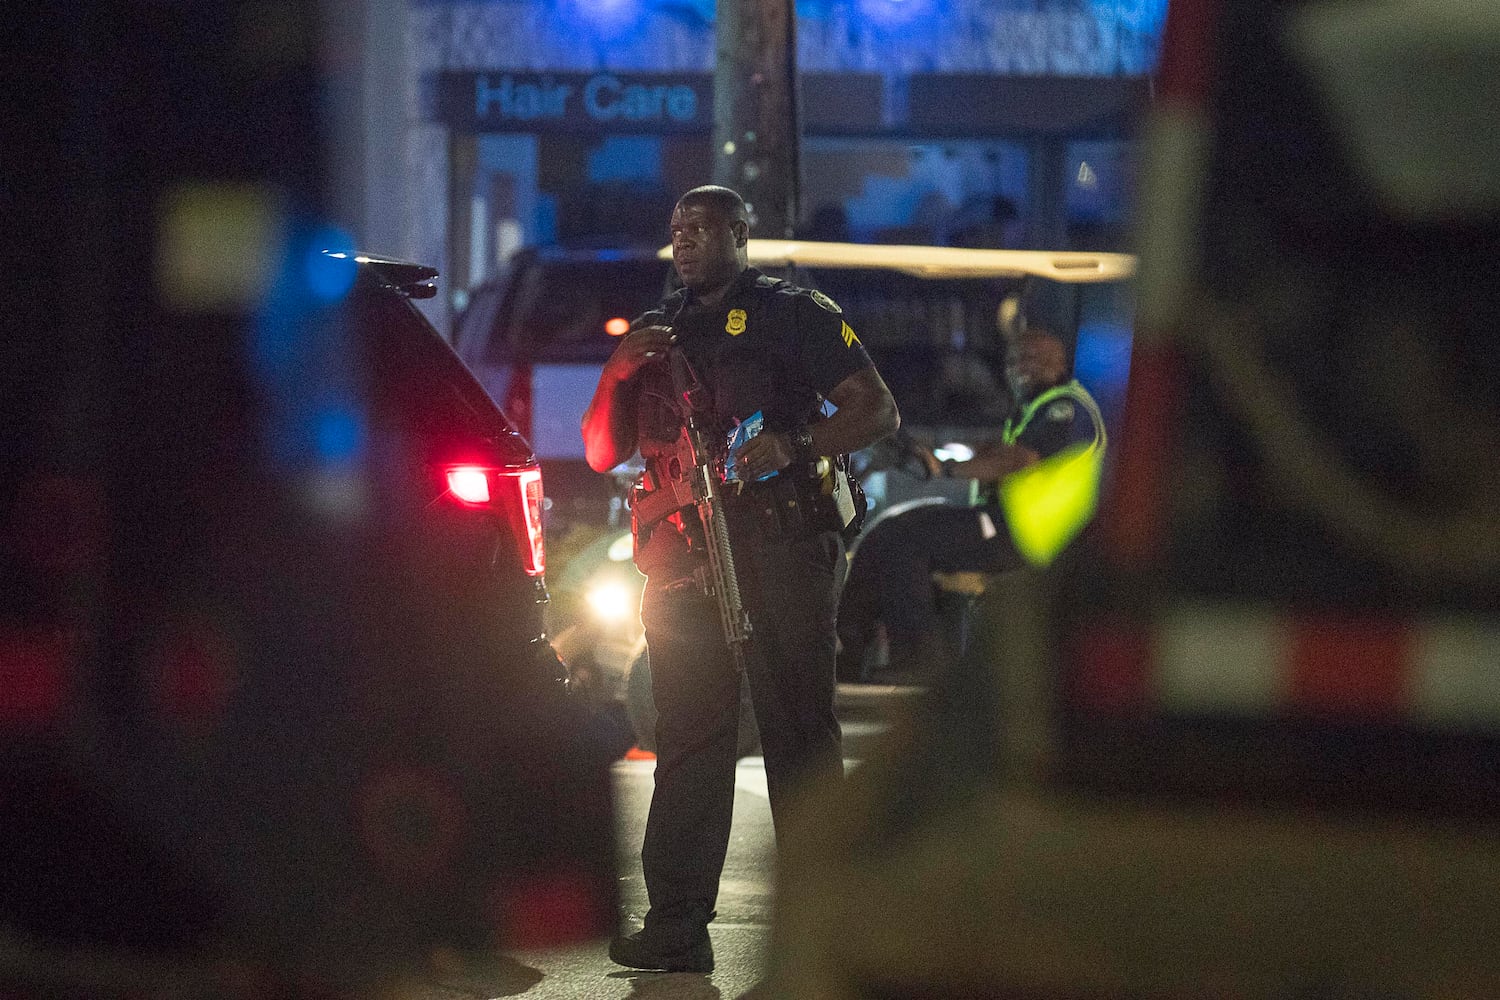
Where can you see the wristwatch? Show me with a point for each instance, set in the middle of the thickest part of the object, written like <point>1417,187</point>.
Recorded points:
<point>802,445</point>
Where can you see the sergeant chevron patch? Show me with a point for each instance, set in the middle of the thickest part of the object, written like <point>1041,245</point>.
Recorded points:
<point>849,338</point>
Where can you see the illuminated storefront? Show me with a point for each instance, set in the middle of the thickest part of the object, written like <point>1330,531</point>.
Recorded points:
<point>996,123</point>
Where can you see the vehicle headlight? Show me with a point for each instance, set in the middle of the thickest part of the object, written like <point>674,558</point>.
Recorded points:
<point>610,601</point>
<point>955,450</point>
<point>622,549</point>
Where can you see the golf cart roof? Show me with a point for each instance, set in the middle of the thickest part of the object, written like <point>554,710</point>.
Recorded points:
<point>1075,267</point>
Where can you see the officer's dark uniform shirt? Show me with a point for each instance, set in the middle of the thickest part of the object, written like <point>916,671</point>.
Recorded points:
<point>768,346</point>
<point>1058,424</point>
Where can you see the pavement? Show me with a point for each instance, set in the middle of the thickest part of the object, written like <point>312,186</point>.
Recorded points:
<point>741,932</point>
<point>865,712</point>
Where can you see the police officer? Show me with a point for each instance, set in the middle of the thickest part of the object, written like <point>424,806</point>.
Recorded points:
<point>890,577</point>
<point>757,345</point>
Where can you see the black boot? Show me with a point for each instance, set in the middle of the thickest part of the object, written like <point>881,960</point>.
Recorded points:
<point>638,951</point>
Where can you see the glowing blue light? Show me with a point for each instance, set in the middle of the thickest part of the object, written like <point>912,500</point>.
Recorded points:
<point>328,267</point>
<point>897,13</point>
<point>340,434</point>
<point>301,350</point>
<point>1102,358</point>
<point>603,19</point>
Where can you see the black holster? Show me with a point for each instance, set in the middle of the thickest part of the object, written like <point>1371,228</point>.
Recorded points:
<point>789,504</point>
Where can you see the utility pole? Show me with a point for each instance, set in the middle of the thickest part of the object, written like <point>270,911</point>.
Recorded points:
<point>757,126</point>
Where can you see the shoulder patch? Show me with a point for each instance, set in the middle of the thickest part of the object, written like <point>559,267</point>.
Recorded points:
<point>1062,409</point>
<point>824,301</point>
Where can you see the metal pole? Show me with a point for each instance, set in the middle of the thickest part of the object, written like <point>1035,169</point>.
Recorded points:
<point>757,127</point>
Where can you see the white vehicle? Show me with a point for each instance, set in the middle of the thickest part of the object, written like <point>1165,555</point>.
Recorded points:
<point>934,319</point>
<point>537,336</point>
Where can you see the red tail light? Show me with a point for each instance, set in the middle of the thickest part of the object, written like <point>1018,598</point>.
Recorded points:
<point>529,485</point>
<point>518,492</point>
<point>470,484</point>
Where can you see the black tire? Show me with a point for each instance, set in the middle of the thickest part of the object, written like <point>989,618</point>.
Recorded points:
<point>641,708</point>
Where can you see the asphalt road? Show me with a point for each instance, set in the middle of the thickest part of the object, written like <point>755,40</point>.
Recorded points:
<point>740,933</point>
<point>586,973</point>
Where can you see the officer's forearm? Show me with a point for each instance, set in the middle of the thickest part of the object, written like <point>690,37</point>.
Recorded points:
<point>866,413</point>
<point>992,463</point>
<point>609,431</point>
<point>849,430</point>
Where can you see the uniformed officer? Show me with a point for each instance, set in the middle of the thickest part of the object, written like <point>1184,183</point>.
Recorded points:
<point>757,345</point>
<point>890,577</point>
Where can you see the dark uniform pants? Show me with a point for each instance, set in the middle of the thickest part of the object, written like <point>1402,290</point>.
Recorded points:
<point>890,577</point>
<point>791,585</point>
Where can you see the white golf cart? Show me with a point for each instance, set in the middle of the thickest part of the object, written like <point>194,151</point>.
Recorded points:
<point>935,320</point>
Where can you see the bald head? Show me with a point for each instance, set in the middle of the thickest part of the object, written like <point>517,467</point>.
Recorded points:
<point>723,202</point>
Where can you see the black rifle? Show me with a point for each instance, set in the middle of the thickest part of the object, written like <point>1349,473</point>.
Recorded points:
<point>701,460</point>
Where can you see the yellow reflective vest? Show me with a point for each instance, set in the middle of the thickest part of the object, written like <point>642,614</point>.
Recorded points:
<point>1049,502</point>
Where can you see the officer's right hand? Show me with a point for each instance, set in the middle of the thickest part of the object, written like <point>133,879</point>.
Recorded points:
<point>639,346</point>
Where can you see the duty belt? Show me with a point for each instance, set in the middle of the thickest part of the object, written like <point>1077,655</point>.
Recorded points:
<point>776,505</point>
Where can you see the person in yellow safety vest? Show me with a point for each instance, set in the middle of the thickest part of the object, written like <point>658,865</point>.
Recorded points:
<point>1034,489</point>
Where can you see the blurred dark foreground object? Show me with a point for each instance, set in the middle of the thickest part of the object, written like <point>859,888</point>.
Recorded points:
<point>308,720</point>
<point>277,713</point>
<point>1243,741</point>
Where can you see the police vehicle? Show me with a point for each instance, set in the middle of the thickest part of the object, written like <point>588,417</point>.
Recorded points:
<point>313,719</point>
<point>536,337</point>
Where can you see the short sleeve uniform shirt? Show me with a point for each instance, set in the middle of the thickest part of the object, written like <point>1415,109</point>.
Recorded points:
<point>769,346</point>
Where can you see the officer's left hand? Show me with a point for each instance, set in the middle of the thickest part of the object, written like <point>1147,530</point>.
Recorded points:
<point>763,454</point>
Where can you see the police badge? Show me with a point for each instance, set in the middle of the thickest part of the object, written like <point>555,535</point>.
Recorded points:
<point>1060,410</point>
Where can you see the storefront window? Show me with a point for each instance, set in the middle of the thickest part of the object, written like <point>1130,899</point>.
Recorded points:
<point>1099,193</point>
<point>963,192</point>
